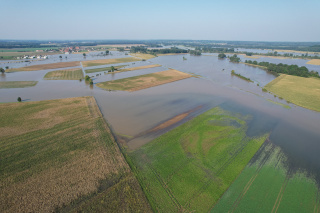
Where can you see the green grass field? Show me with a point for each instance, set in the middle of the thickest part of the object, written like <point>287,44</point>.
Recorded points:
<point>103,69</point>
<point>266,186</point>
<point>304,92</point>
<point>59,156</point>
<point>70,74</point>
<point>17,84</point>
<point>189,168</point>
<point>109,61</point>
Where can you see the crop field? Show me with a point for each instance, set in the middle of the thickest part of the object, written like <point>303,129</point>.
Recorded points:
<point>142,56</point>
<point>109,61</point>
<point>46,66</point>
<point>314,62</point>
<point>144,81</point>
<point>267,185</point>
<point>304,92</point>
<point>59,155</point>
<point>70,74</point>
<point>17,84</point>
<point>103,69</point>
<point>139,68</point>
<point>189,168</point>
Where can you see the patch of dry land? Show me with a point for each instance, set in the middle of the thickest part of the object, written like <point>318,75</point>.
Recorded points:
<point>139,68</point>
<point>17,84</point>
<point>143,56</point>
<point>253,57</point>
<point>46,66</point>
<point>314,62</point>
<point>109,61</point>
<point>301,91</point>
<point>144,81</point>
<point>70,74</point>
<point>59,156</point>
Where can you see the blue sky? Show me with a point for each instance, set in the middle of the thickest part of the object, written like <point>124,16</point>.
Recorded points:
<point>245,20</point>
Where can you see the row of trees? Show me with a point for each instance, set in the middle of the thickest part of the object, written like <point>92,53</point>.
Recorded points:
<point>286,69</point>
<point>166,51</point>
<point>195,52</point>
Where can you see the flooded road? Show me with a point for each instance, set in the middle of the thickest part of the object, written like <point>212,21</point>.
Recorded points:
<point>131,114</point>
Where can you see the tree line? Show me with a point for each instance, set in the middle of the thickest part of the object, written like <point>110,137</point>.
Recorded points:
<point>286,69</point>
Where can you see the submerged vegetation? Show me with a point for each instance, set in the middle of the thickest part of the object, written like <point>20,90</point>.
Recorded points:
<point>190,167</point>
<point>17,84</point>
<point>268,185</point>
<point>300,91</point>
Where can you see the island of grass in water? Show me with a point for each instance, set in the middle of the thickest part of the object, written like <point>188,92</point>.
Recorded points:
<point>144,81</point>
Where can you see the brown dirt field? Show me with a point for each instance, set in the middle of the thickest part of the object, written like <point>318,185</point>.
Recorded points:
<point>59,180</point>
<point>46,66</point>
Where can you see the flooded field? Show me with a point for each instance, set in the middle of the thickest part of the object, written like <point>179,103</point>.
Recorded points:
<point>132,115</point>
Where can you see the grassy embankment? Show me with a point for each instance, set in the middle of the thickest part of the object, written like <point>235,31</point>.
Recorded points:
<point>59,155</point>
<point>265,185</point>
<point>189,168</point>
<point>109,61</point>
<point>70,74</point>
<point>144,81</point>
<point>314,62</point>
<point>46,66</point>
<point>304,92</point>
<point>240,76</point>
<point>281,104</point>
<point>103,69</point>
<point>139,68</point>
<point>17,84</point>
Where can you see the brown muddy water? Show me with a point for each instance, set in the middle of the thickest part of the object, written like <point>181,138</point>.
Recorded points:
<point>133,116</point>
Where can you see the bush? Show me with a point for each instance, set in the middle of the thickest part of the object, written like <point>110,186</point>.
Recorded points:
<point>19,99</point>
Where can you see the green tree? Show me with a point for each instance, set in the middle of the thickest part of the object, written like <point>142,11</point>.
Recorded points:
<point>84,54</point>
<point>19,99</point>
<point>222,55</point>
<point>107,52</point>
<point>7,67</point>
<point>1,70</point>
<point>112,69</point>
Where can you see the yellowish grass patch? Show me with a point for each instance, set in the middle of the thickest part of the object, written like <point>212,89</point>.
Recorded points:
<point>301,91</point>
<point>314,62</point>
<point>144,81</point>
<point>46,66</point>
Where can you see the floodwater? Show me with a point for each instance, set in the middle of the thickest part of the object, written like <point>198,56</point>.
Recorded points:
<point>131,114</point>
<point>264,51</point>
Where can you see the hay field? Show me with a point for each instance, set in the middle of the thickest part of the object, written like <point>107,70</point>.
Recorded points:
<point>17,84</point>
<point>46,66</point>
<point>314,62</point>
<point>109,61</point>
<point>59,155</point>
<point>69,74</point>
<point>144,81</point>
<point>304,92</point>
<point>190,167</point>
